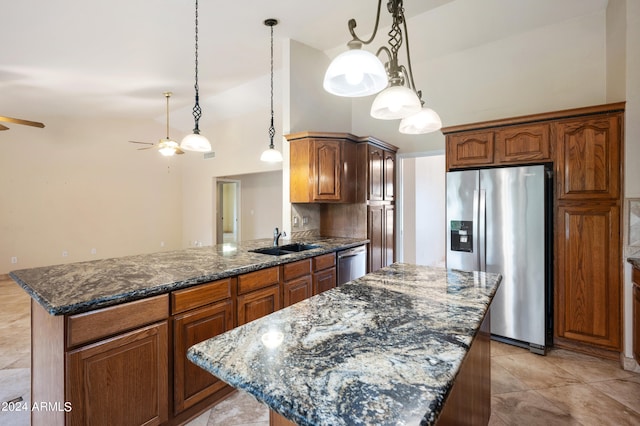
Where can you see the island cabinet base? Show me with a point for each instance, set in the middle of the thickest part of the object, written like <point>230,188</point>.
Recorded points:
<point>469,402</point>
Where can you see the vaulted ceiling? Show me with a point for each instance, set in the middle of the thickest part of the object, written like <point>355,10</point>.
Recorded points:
<point>115,58</point>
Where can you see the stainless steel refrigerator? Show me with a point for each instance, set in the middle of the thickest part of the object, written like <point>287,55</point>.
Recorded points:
<point>499,220</point>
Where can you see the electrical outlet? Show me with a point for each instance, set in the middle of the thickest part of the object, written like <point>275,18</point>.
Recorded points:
<point>161,243</point>
<point>14,260</point>
<point>296,221</point>
<point>65,253</point>
<point>93,251</point>
<point>305,220</point>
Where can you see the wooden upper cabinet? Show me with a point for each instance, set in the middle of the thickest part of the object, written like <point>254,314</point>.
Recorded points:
<point>588,159</point>
<point>323,169</point>
<point>376,174</point>
<point>518,144</point>
<point>470,149</point>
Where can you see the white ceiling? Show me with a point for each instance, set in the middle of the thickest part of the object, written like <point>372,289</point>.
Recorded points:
<point>115,58</point>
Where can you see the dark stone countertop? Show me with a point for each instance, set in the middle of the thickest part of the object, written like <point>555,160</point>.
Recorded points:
<point>635,261</point>
<point>383,349</point>
<point>84,286</point>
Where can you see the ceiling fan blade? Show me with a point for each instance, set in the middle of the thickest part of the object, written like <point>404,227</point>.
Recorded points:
<point>19,121</point>
<point>179,151</point>
<point>143,143</point>
<point>3,127</point>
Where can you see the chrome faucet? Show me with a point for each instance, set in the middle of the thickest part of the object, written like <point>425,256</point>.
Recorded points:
<point>276,236</point>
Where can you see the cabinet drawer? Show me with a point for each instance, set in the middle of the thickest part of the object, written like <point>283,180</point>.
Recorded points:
<point>257,304</point>
<point>89,326</point>
<point>296,269</point>
<point>323,262</point>
<point>189,298</point>
<point>635,276</point>
<point>258,279</point>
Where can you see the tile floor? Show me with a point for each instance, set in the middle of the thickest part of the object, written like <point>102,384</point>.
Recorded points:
<point>562,388</point>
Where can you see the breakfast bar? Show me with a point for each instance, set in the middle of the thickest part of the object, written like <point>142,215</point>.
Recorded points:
<point>406,344</point>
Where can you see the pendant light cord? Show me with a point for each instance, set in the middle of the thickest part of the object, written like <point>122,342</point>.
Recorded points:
<point>272,130</point>
<point>197,111</point>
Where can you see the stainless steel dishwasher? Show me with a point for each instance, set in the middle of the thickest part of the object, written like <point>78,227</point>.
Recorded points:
<point>352,264</point>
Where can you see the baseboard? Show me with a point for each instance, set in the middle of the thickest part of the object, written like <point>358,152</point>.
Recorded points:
<point>629,364</point>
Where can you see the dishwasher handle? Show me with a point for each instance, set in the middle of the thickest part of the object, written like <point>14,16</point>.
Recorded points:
<point>351,252</point>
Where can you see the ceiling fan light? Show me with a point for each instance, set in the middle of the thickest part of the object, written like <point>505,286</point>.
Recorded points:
<point>195,142</point>
<point>355,73</point>
<point>271,155</point>
<point>395,102</point>
<point>167,147</point>
<point>425,121</point>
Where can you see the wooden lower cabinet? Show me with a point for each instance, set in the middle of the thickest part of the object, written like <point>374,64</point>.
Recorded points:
<point>324,280</point>
<point>257,304</point>
<point>191,384</point>
<point>587,288</point>
<point>120,381</point>
<point>297,290</point>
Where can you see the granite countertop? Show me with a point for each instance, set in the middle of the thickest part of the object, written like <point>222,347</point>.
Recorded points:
<point>83,286</point>
<point>383,349</point>
<point>635,261</point>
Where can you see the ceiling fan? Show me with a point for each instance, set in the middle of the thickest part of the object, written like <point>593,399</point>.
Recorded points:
<point>166,146</point>
<point>18,121</point>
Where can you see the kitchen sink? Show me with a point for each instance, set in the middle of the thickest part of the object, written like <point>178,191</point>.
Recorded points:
<point>286,249</point>
<point>298,247</point>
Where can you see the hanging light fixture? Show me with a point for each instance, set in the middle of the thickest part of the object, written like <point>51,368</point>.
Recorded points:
<point>361,77</point>
<point>168,146</point>
<point>271,154</point>
<point>195,141</point>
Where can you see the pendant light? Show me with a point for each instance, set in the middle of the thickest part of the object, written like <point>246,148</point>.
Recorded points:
<point>195,141</point>
<point>354,73</point>
<point>271,154</point>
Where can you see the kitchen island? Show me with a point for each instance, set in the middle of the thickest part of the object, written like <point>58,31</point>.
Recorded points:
<point>109,337</point>
<point>404,345</point>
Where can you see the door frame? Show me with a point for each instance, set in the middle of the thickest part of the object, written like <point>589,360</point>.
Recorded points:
<point>218,186</point>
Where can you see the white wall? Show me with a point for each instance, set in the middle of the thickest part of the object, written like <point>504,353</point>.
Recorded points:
<point>423,210</point>
<point>77,185</point>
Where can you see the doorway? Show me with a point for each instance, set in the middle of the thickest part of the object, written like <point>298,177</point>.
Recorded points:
<point>227,211</point>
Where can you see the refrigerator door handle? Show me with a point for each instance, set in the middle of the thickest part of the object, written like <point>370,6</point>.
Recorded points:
<point>482,228</point>
<point>476,236</point>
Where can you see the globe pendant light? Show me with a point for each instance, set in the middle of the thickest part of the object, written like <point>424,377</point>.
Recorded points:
<point>355,73</point>
<point>271,154</point>
<point>195,141</point>
<point>425,121</point>
<point>347,76</point>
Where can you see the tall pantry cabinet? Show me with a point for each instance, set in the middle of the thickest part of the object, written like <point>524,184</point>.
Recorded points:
<point>353,180</point>
<point>585,146</point>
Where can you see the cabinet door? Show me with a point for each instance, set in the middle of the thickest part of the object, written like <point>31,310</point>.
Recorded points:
<point>588,287</point>
<point>120,381</point>
<point>389,236</point>
<point>191,384</point>
<point>324,280</point>
<point>375,224</point>
<point>470,149</point>
<point>258,303</point>
<point>327,164</point>
<point>389,175</point>
<point>376,174</point>
<point>523,144</point>
<point>297,290</point>
<point>588,160</point>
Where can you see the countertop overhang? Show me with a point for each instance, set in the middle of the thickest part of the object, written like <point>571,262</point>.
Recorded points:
<point>84,286</point>
<point>382,349</point>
